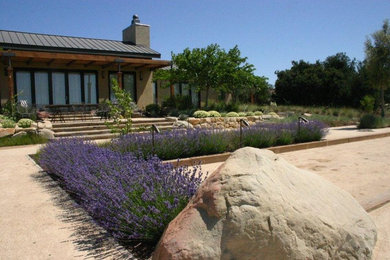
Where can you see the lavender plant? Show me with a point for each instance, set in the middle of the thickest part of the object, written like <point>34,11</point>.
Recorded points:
<point>132,197</point>
<point>195,142</point>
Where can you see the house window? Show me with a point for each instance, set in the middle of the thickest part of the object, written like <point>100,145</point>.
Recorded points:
<point>74,80</point>
<point>41,84</point>
<point>128,80</point>
<point>23,86</point>
<point>90,95</point>
<point>43,87</point>
<point>155,97</point>
<point>58,85</point>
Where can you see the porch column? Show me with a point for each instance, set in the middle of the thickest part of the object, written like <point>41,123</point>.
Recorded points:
<point>172,90</point>
<point>10,75</point>
<point>120,79</point>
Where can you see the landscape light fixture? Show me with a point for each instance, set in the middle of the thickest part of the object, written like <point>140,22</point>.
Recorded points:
<point>154,129</point>
<point>245,123</point>
<point>301,119</point>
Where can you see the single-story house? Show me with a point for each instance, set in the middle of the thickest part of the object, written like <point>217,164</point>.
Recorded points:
<point>51,69</point>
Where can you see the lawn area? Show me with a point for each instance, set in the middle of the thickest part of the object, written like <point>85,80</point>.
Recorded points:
<point>22,140</point>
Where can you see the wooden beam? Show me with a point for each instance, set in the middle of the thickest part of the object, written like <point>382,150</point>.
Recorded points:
<point>139,67</point>
<point>108,65</point>
<point>50,62</point>
<point>28,62</point>
<point>85,57</point>
<point>89,64</point>
<point>70,63</point>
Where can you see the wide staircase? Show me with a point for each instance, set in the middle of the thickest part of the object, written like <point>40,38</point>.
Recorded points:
<point>94,128</point>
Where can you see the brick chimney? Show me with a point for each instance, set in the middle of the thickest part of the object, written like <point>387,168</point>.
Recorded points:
<point>137,33</point>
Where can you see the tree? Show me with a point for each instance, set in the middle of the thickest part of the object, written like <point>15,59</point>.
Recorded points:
<point>378,61</point>
<point>321,83</point>
<point>210,68</point>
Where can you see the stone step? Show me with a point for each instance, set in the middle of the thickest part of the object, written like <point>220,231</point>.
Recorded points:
<point>100,131</point>
<point>104,136</point>
<point>135,121</point>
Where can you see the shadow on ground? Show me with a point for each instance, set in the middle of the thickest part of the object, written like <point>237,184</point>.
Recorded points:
<point>86,234</point>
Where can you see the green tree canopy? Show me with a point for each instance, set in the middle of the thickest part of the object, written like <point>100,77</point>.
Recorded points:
<point>378,61</point>
<point>330,82</point>
<point>211,68</point>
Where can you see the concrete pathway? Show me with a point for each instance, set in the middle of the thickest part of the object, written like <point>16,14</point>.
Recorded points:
<point>39,221</point>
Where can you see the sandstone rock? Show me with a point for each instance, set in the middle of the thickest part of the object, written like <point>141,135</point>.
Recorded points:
<point>27,129</point>
<point>183,124</point>
<point>46,133</point>
<point>258,206</point>
<point>21,133</point>
<point>171,119</point>
<point>6,131</point>
<point>194,121</point>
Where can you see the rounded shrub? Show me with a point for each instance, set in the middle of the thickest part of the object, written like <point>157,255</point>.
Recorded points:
<point>214,113</point>
<point>201,114</point>
<point>25,123</point>
<point>8,123</point>
<point>232,114</point>
<point>258,113</point>
<point>223,114</point>
<point>241,114</point>
<point>369,121</point>
<point>153,110</point>
<point>183,117</point>
<point>250,114</point>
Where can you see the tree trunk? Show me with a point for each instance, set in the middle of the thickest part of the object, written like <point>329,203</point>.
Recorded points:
<point>207,96</point>
<point>382,101</point>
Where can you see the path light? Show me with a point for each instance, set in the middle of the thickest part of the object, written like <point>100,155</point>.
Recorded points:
<point>301,119</point>
<point>154,128</point>
<point>245,123</point>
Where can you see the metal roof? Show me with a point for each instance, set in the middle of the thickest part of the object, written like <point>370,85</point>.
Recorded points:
<point>57,43</point>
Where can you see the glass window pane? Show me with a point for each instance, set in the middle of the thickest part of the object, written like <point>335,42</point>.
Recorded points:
<point>155,93</point>
<point>90,88</point>
<point>185,90</point>
<point>58,82</point>
<point>74,80</point>
<point>41,88</point>
<point>129,84</point>
<point>112,76</point>
<point>177,89</point>
<point>194,96</point>
<point>23,86</point>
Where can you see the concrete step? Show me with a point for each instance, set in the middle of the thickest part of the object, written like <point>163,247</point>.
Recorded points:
<point>104,136</point>
<point>82,133</point>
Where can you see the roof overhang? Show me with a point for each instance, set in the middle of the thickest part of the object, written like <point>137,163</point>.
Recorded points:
<point>85,60</point>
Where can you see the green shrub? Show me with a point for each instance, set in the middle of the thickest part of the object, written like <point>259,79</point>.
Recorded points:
<point>223,114</point>
<point>183,117</point>
<point>371,121</point>
<point>241,114</point>
<point>29,138</point>
<point>153,110</point>
<point>273,114</point>
<point>3,117</point>
<point>250,114</point>
<point>232,114</point>
<point>8,123</point>
<point>25,123</point>
<point>258,113</point>
<point>368,103</point>
<point>201,114</point>
<point>214,113</point>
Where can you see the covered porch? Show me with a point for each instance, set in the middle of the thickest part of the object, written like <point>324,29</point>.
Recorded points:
<point>58,78</point>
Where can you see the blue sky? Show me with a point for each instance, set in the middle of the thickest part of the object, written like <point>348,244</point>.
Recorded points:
<point>270,33</point>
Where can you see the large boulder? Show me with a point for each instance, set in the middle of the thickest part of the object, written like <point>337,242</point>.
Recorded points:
<point>46,133</point>
<point>6,131</point>
<point>258,206</point>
